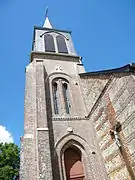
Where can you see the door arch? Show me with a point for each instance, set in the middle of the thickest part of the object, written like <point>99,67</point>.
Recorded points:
<point>73,164</point>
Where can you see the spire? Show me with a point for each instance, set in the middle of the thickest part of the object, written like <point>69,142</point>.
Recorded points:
<point>47,23</point>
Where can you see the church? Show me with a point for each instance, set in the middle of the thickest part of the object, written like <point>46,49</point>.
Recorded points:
<point>77,125</point>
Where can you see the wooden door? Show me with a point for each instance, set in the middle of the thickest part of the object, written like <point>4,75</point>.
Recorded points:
<point>73,164</point>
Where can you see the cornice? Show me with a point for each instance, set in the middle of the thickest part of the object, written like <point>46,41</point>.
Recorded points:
<point>54,56</point>
<point>48,29</point>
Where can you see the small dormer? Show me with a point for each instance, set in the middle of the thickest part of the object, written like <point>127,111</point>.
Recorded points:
<point>50,40</point>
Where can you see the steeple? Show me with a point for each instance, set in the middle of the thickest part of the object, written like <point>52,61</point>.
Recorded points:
<point>47,23</point>
<point>47,39</point>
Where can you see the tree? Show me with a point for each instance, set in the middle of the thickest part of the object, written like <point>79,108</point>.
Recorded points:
<point>9,161</point>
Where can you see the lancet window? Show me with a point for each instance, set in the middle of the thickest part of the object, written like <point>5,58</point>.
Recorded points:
<point>66,96</point>
<point>49,43</point>
<point>55,98</point>
<point>61,101</point>
<point>61,44</point>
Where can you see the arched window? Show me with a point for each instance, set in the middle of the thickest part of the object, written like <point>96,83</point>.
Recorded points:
<point>55,98</point>
<point>60,94</point>
<point>49,43</point>
<point>73,164</point>
<point>62,47</point>
<point>66,97</point>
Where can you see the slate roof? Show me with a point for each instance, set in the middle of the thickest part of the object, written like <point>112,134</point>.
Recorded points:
<point>123,69</point>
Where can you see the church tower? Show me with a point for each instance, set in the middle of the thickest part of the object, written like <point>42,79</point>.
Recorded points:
<point>59,141</point>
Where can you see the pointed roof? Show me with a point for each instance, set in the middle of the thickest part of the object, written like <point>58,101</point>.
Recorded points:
<point>47,23</point>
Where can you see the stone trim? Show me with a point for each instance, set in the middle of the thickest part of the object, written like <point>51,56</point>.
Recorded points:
<point>61,142</point>
<point>28,136</point>
<point>111,156</point>
<point>107,145</point>
<point>99,126</point>
<point>100,111</point>
<point>58,75</point>
<point>43,129</point>
<point>104,133</point>
<point>117,168</point>
<point>69,118</point>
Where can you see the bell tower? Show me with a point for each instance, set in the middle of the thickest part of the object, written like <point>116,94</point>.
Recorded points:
<point>59,140</point>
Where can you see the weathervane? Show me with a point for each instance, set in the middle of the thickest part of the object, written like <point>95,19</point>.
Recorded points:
<point>46,13</point>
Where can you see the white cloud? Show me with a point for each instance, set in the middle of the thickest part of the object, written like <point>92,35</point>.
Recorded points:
<point>5,136</point>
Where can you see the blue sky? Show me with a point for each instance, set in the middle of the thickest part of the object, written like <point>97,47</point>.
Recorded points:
<point>103,32</point>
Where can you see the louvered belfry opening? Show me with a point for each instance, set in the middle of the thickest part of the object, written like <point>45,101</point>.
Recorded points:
<point>62,47</point>
<point>49,43</point>
<point>73,164</point>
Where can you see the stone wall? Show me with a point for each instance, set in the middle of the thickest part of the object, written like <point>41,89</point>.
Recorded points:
<point>82,132</point>
<point>122,96</point>
<point>115,103</point>
<point>35,144</point>
<point>28,162</point>
<point>91,89</point>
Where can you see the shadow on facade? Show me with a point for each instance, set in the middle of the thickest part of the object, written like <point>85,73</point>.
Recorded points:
<point>54,157</point>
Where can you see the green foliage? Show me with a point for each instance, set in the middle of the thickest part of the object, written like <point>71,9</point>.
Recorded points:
<point>9,161</point>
